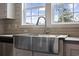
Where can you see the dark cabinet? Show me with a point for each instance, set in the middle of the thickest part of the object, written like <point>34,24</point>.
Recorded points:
<point>1,49</point>
<point>8,49</point>
<point>6,46</point>
<point>71,48</point>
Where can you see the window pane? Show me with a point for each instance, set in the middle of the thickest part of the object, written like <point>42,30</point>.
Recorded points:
<point>58,7</point>
<point>68,7</point>
<point>30,5</point>
<point>28,20</point>
<point>37,4</point>
<point>76,7</point>
<point>68,17</point>
<point>42,11</point>
<point>76,17</point>
<point>27,5</point>
<point>34,11</point>
<point>34,20</point>
<point>28,12</point>
<point>57,10</point>
<point>56,18</point>
<point>63,12</point>
<point>31,11</point>
<point>67,12</point>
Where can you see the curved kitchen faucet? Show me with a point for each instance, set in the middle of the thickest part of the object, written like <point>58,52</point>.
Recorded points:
<point>44,28</point>
<point>45,23</point>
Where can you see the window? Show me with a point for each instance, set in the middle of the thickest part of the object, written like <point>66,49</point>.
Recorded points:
<point>31,12</point>
<point>65,12</point>
<point>55,13</point>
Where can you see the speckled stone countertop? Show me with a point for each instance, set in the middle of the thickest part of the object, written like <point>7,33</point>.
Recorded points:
<point>34,35</point>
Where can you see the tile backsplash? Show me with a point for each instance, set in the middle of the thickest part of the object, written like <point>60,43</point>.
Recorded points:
<point>13,26</point>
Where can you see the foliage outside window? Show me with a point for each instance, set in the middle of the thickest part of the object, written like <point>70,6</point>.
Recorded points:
<point>62,13</point>
<point>65,12</point>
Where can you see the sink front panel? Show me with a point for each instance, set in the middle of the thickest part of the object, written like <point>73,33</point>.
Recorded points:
<point>40,44</point>
<point>23,42</point>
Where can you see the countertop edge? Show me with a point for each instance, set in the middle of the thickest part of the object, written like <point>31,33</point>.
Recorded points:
<point>72,39</point>
<point>6,35</point>
<point>60,36</point>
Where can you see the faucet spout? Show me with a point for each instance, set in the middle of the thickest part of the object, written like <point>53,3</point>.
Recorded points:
<point>39,19</point>
<point>45,22</point>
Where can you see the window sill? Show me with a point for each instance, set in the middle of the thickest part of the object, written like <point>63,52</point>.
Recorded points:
<point>67,23</point>
<point>72,24</point>
<point>32,26</point>
<point>52,25</point>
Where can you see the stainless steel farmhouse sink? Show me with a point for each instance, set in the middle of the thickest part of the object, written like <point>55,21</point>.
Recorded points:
<point>40,42</point>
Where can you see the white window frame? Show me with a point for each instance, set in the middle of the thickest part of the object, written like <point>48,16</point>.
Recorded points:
<point>29,25</point>
<point>49,18</point>
<point>65,24</point>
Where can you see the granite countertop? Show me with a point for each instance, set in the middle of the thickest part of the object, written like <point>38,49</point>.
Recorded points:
<point>42,35</point>
<point>39,35</point>
<point>57,36</point>
<point>36,35</point>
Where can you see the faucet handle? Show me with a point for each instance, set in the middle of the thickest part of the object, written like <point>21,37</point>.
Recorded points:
<point>46,31</point>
